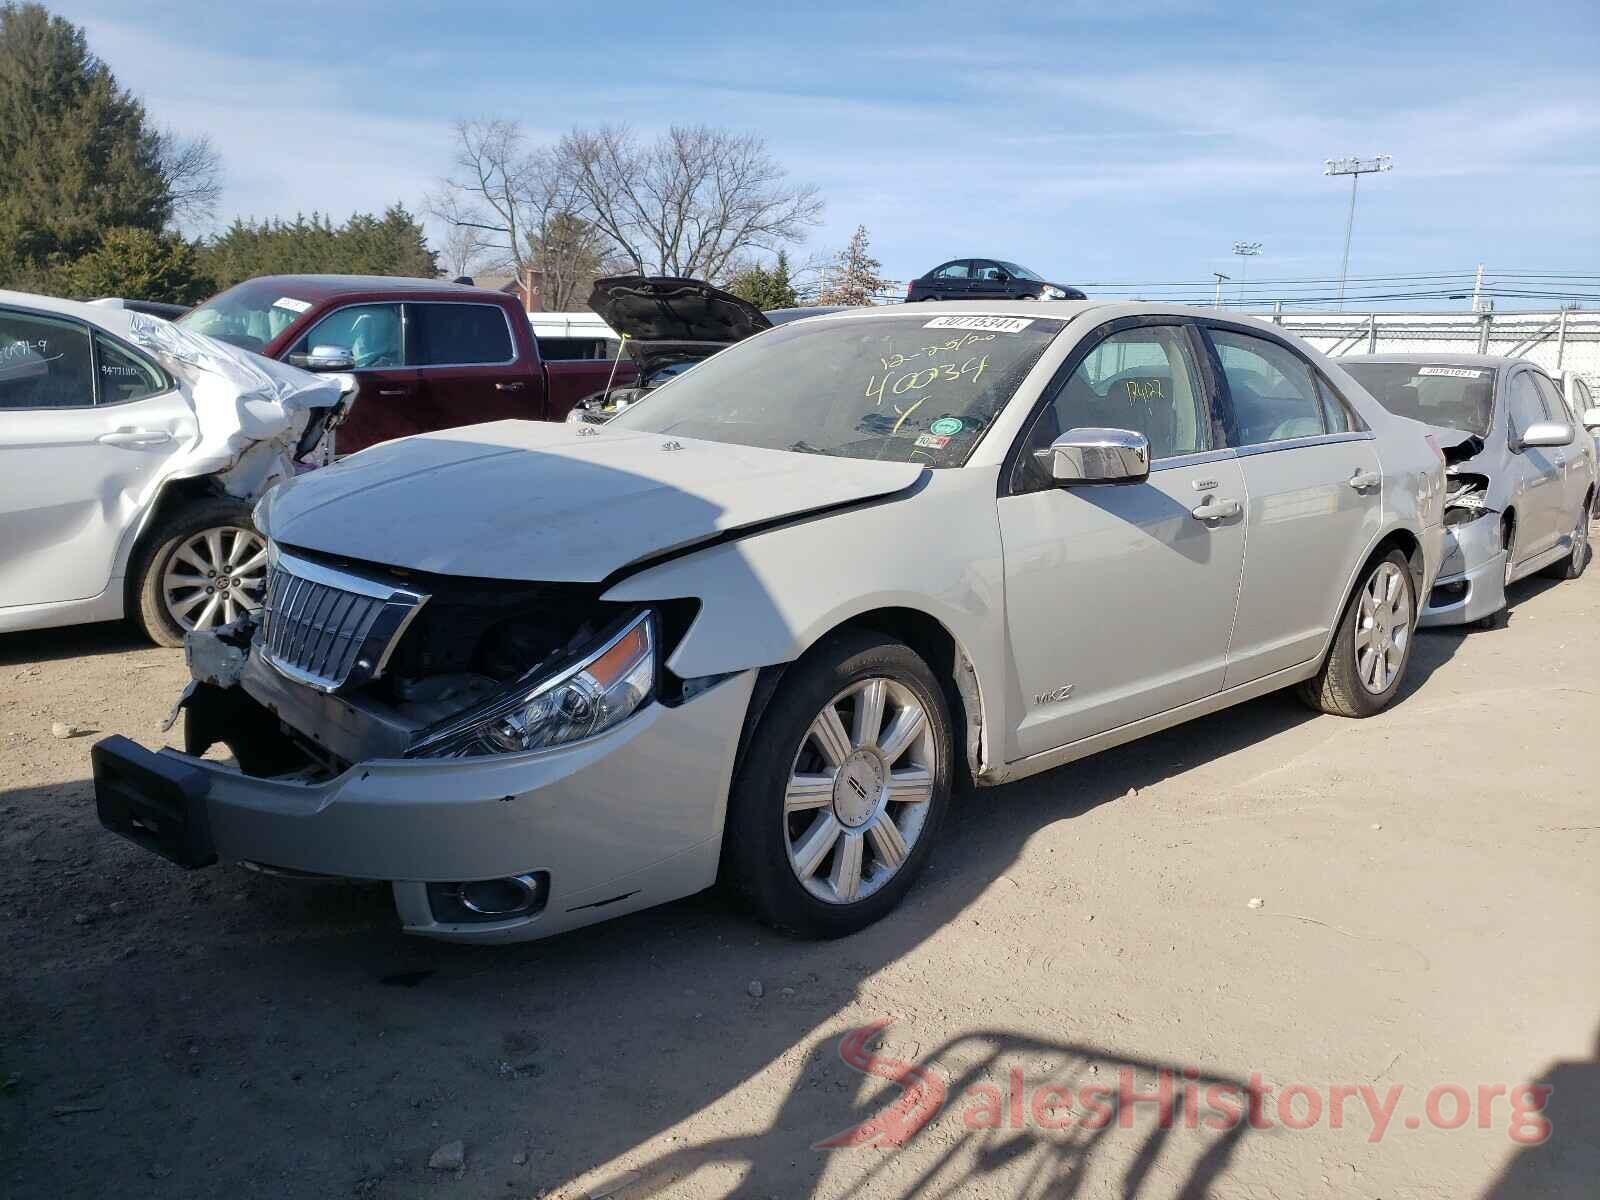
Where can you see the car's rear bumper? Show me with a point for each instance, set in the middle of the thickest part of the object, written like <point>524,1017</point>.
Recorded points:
<point>622,821</point>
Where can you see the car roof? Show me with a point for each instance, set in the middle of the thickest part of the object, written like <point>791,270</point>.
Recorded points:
<point>113,319</point>
<point>1493,361</point>
<point>322,287</point>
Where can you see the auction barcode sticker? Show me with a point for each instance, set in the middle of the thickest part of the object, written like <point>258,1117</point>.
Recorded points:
<point>990,324</point>
<point>1452,372</point>
<point>293,305</point>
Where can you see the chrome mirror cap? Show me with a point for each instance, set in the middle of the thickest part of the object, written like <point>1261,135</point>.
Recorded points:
<point>330,358</point>
<point>1082,456</point>
<point>1547,433</point>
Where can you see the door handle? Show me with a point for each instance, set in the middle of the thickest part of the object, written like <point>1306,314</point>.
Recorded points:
<point>1362,480</point>
<point>1216,510</point>
<point>515,385</point>
<point>135,437</point>
<point>394,391</point>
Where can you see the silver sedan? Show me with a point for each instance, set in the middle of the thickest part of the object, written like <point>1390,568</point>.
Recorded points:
<point>761,623</point>
<point>1521,475</point>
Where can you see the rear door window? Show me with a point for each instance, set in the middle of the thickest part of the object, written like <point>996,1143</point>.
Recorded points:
<point>1554,402</point>
<point>460,335</point>
<point>45,362</point>
<point>1272,389</point>
<point>125,376</point>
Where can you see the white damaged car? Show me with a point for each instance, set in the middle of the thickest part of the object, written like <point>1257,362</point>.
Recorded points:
<point>131,452</point>
<point>758,625</point>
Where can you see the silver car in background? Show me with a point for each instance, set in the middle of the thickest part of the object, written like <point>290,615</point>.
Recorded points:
<point>758,625</point>
<point>1522,472</point>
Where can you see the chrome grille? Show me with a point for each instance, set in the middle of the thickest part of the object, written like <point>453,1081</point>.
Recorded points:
<point>329,628</point>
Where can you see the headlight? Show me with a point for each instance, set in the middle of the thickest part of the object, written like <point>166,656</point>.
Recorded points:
<point>612,683</point>
<point>1051,293</point>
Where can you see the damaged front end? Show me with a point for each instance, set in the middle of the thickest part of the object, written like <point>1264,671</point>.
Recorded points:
<point>349,664</point>
<point>1471,581</point>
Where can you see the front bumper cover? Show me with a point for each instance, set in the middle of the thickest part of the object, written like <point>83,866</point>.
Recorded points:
<point>1471,581</point>
<point>637,810</point>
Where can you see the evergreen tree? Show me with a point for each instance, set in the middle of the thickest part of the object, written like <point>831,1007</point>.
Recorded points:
<point>393,244</point>
<point>854,277</point>
<point>766,288</point>
<point>136,265</point>
<point>77,153</point>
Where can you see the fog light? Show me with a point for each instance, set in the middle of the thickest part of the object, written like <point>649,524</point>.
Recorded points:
<point>489,899</point>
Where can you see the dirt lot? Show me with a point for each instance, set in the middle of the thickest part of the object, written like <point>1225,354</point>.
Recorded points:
<point>1428,891</point>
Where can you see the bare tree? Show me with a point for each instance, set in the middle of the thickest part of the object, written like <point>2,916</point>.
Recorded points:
<point>192,169</point>
<point>486,191</point>
<point>688,203</point>
<point>463,251</point>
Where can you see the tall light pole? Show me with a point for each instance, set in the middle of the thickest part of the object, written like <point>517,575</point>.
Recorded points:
<point>1221,279</point>
<point>1355,168</point>
<point>1246,251</point>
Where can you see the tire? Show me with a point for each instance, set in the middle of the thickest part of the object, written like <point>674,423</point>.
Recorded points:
<point>1343,687</point>
<point>178,550</point>
<point>1573,564</point>
<point>767,847</point>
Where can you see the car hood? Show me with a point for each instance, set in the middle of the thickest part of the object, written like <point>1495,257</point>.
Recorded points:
<point>534,500</point>
<point>669,309</point>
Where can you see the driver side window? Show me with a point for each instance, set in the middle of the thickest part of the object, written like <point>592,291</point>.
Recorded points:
<point>1525,408</point>
<point>371,332</point>
<point>1141,379</point>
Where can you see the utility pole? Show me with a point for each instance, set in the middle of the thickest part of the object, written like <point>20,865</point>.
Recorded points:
<point>1355,168</point>
<point>1221,279</point>
<point>1245,251</point>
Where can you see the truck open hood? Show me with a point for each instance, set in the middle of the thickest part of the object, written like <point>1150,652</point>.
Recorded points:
<point>539,501</point>
<point>665,308</point>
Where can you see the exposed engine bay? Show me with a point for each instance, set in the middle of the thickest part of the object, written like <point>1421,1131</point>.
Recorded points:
<point>469,643</point>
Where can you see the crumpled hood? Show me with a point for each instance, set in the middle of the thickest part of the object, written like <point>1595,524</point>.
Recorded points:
<point>669,309</point>
<point>536,500</point>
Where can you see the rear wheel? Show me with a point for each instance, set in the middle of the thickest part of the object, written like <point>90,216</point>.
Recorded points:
<point>1364,669</point>
<point>202,567</point>
<point>834,811</point>
<point>1574,563</point>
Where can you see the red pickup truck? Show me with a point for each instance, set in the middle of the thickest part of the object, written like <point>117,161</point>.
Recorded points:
<point>428,355</point>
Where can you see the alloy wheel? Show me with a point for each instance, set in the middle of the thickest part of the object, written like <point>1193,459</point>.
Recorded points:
<point>859,791</point>
<point>214,576</point>
<point>1383,628</point>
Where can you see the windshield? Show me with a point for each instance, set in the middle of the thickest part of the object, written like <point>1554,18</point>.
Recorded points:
<point>1023,272</point>
<point>249,315</point>
<point>895,388</point>
<point>1453,397</point>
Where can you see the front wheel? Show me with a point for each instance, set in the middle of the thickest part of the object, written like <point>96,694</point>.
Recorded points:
<point>1372,648</point>
<point>835,808</point>
<point>1574,563</point>
<point>203,566</point>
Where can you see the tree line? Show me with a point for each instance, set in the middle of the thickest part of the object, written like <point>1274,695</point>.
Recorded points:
<point>95,199</point>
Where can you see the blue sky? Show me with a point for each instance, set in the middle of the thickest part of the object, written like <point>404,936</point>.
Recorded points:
<point>1090,141</point>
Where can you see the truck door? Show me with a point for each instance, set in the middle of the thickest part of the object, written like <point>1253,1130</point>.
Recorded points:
<point>472,368</point>
<point>387,403</point>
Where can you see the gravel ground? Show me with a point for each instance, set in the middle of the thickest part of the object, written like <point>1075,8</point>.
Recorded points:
<point>1408,902</point>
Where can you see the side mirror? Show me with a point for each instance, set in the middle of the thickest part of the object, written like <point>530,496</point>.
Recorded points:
<point>1591,419</point>
<point>330,358</point>
<point>1082,456</point>
<point>1546,433</point>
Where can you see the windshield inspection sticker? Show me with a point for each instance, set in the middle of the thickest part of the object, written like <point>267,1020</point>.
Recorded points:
<point>293,305</point>
<point>1452,372</point>
<point>933,441</point>
<point>946,426</point>
<point>997,324</point>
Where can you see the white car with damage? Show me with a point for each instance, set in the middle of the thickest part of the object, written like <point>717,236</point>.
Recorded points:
<point>758,626</point>
<point>131,452</point>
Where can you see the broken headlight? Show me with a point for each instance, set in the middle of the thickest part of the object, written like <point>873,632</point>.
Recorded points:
<point>588,697</point>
